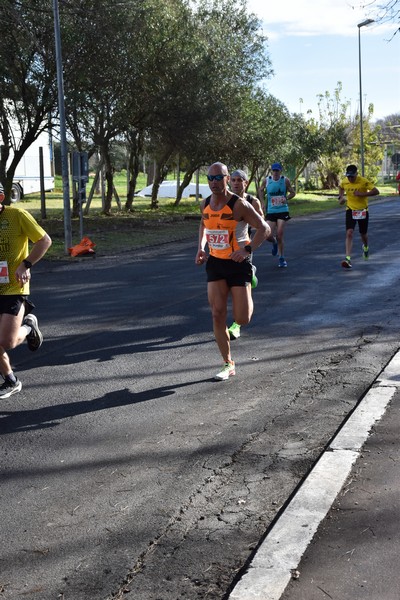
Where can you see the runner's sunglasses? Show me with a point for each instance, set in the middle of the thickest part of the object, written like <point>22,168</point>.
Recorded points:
<point>216,177</point>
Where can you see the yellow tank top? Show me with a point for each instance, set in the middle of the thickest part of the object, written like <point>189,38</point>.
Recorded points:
<point>224,235</point>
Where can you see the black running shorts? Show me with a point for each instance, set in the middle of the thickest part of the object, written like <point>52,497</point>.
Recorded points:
<point>235,273</point>
<point>351,223</point>
<point>11,304</point>
<point>279,216</point>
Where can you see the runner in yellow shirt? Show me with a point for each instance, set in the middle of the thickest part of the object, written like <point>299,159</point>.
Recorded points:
<point>17,228</point>
<point>357,190</point>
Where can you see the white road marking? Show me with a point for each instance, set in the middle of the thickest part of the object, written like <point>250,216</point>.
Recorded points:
<point>271,568</point>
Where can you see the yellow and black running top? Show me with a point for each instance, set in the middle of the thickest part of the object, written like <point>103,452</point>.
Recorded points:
<point>17,227</point>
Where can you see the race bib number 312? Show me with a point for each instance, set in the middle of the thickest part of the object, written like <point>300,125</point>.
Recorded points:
<point>278,200</point>
<point>359,214</point>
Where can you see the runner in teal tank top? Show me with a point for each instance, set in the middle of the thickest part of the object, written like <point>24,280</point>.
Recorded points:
<point>276,192</point>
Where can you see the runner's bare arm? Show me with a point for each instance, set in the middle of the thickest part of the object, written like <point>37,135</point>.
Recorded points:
<point>261,193</point>
<point>39,249</point>
<point>244,211</point>
<point>257,207</point>
<point>37,252</point>
<point>373,192</point>
<point>201,255</point>
<point>290,189</point>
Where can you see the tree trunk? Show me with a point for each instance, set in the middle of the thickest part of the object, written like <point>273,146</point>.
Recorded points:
<point>109,177</point>
<point>94,189</point>
<point>184,183</point>
<point>151,172</point>
<point>7,171</point>
<point>156,185</point>
<point>135,147</point>
<point>160,172</point>
<point>75,200</point>
<point>332,181</point>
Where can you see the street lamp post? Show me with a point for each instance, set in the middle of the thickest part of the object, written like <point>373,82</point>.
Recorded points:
<point>63,135</point>
<point>362,24</point>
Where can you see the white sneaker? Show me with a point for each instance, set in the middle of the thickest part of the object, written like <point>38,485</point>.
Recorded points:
<point>9,387</point>
<point>34,338</point>
<point>227,371</point>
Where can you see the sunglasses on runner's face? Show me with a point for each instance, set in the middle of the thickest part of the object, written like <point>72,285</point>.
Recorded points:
<point>216,177</point>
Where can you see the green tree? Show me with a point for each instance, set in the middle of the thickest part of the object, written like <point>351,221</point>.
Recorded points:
<point>28,91</point>
<point>155,56</point>
<point>225,55</point>
<point>373,151</point>
<point>334,126</point>
<point>172,86</point>
<point>389,139</point>
<point>258,133</point>
<point>99,37</point>
<point>305,145</point>
<point>389,129</point>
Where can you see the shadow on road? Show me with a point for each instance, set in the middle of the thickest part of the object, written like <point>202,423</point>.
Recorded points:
<point>48,416</point>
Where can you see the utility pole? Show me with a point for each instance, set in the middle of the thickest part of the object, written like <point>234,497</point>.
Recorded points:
<point>63,134</point>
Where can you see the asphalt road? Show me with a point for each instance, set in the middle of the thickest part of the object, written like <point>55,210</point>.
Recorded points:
<point>126,471</point>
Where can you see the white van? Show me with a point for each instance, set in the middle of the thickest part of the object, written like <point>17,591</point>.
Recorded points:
<point>167,189</point>
<point>27,174</point>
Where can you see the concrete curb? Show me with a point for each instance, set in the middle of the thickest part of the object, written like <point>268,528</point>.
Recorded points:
<point>280,553</point>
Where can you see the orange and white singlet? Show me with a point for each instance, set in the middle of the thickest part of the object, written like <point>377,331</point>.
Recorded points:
<point>224,235</point>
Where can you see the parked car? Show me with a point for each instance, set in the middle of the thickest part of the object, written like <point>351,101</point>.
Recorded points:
<point>167,189</point>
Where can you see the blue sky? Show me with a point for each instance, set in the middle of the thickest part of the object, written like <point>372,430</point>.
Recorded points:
<point>313,45</point>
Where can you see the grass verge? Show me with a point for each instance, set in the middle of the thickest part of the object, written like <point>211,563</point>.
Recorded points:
<point>127,231</point>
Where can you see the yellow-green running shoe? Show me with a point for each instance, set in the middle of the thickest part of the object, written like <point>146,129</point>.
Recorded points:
<point>227,371</point>
<point>234,331</point>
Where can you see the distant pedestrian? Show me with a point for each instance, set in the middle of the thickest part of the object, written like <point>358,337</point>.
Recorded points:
<point>276,191</point>
<point>224,228</point>
<point>357,190</point>
<point>17,323</point>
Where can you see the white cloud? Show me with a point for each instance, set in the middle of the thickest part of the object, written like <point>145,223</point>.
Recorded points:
<point>308,17</point>
<point>313,45</point>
